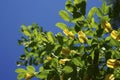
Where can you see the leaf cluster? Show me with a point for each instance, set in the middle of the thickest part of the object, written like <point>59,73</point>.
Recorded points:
<point>81,52</point>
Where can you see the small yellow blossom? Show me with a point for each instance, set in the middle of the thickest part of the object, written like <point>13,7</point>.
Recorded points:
<point>68,33</point>
<point>62,61</point>
<point>113,63</point>
<point>82,37</point>
<point>49,58</point>
<point>107,26</point>
<point>115,35</point>
<point>28,76</point>
<point>109,77</point>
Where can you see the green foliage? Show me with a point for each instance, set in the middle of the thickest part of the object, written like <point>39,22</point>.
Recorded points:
<point>91,13</point>
<point>20,70</point>
<point>88,50</point>
<point>69,6</point>
<point>20,76</point>
<point>67,69</point>
<point>117,73</point>
<point>64,15</point>
<point>30,69</point>
<point>62,26</point>
<point>50,37</point>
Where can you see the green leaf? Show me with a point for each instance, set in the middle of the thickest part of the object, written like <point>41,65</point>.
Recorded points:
<point>67,69</point>
<point>30,69</point>
<point>115,54</point>
<point>20,70</point>
<point>50,37</point>
<point>105,8</point>
<point>114,42</point>
<point>60,38</point>
<point>77,62</point>
<point>62,26</point>
<point>117,73</point>
<point>108,38</point>
<point>99,12</point>
<point>82,6</point>
<point>69,6</point>
<point>54,62</point>
<point>64,15</point>
<point>93,24</point>
<point>21,76</point>
<point>77,2</point>
<point>74,20</point>
<point>91,13</point>
<point>23,27</point>
<point>25,31</point>
<point>57,49</point>
<point>43,37</point>
<point>41,69</point>
<point>105,18</point>
<point>42,75</point>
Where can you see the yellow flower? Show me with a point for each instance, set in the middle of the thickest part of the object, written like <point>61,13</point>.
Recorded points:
<point>113,63</point>
<point>28,76</point>
<point>68,33</point>
<point>115,35</point>
<point>62,61</point>
<point>107,26</point>
<point>109,77</point>
<point>49,58</point>
<point>82,37</point>
<point>65,51</point>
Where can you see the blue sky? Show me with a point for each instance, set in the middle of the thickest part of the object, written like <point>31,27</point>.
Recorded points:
<point>14,13</point>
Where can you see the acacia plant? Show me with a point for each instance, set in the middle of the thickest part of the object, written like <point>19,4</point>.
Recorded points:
<point>87,50</point>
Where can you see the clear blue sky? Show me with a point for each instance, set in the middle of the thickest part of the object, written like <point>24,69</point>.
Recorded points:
<point>14,13</point>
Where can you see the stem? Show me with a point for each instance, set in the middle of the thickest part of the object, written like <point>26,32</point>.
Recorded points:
<point>95,63</point>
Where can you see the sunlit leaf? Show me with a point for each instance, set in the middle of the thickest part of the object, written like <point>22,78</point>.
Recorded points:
<point>30,69</point>
<point>20,76</point>
<point>77,2</point>
<point>25,30</point>
<point>20,70</point>
<point>62,26</point>
<point>67,69</point>
<point>105,8</point>
<point>91,13</point>
<point>64,15</point>
<point>80,18</point>
<point>41,69</point>
<point>42,75</point>
<point>50,37</point>
<point>99,12</point>
<point>77,62</point>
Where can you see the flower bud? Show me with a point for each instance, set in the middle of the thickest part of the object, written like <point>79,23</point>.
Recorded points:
<point>109,77</point>
<point>107,26</point>
<point>113,63</point>
<point>82,37</point>
<point>62,61</point>
<point>115,35</point>
<point>28,76</point>
<point>68,33</point>
<point>49,58</point>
